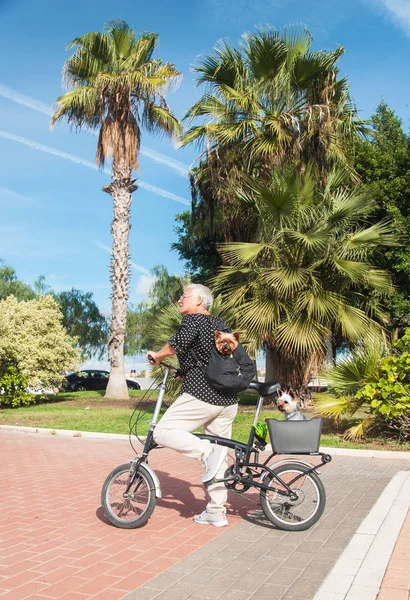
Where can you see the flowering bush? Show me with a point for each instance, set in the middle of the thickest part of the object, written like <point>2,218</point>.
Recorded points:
<point>35,350</point>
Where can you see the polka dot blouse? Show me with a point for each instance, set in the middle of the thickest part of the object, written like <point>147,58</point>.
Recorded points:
<point>196,332</point>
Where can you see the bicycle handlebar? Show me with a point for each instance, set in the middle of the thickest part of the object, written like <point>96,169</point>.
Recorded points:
<point>151,360</point>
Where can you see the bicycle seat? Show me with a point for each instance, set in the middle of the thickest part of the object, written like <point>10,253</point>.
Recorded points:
<point>264,388</point>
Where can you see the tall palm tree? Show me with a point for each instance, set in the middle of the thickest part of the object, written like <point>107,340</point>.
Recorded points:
<point>116,86</point>
<point>308,275</point>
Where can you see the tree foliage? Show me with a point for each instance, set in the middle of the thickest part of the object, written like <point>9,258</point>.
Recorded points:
<point>11,286</point>
<point>383,163</point>
<point>83,321</point>
<point>34,341</point>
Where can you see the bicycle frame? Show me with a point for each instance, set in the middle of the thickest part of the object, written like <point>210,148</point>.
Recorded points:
<point>243,451</point>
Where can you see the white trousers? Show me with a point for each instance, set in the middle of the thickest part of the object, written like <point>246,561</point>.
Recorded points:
<point>188,414</point>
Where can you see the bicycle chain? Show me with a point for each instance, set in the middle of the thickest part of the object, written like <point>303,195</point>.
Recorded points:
<point>242,494</point>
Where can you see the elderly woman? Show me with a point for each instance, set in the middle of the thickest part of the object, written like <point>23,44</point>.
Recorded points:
<point>199,404</point>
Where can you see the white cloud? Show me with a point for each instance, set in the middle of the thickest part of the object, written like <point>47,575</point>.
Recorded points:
<point>144,285</point>
<point>15,96</point>
<point>87,163</point>
<point>397,10</point>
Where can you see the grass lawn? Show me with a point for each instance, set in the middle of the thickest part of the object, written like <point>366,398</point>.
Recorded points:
<point>89,411</point>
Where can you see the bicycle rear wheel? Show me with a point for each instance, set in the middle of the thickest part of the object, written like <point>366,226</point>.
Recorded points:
<point>134,509</point>
<point>298,514</point>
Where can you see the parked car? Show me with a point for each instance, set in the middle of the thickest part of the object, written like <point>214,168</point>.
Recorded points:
<point>85,380</point>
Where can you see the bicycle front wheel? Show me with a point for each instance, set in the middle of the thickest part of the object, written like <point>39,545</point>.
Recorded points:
<point>301,512</point>
<point>131,509</point>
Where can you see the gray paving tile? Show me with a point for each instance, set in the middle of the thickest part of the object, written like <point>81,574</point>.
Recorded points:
<point>284,576</point>
<point>249,582</point>
<point>219,561</point>
<point>309,546</point>
<point>142,593</point>
<point>214,587</point>
<point>269,591</point>
<point>304,587</point>
<point>165,580</point>
<point>231,595</point>
<point>236,568</point>
<point>178,592</point>
<point>200,575</point>
<point>266,564</point>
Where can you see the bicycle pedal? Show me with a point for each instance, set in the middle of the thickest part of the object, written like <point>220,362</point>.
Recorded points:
<point>210,482</point>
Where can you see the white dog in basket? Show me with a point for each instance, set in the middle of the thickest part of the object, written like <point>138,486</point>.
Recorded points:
<point>287,404</point>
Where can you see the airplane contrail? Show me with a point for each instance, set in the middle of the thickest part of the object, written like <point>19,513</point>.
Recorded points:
<point>20,198</point>
<point>15,96</point>
<point>87,163</point>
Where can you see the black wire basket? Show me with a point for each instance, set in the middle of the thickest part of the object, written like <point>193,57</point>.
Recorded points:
<point>291,437</point>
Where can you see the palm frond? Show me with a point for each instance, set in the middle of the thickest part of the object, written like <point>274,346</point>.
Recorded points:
<point>360,366</point>
<point>160,121</point>
<point>359,431</point>
<point>80,107</point>
<point>300,336</point>
<point>335,408</point>
<point>241,254</point>
<point>286,281</point>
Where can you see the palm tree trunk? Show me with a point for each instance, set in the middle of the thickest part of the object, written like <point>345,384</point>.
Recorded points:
<point>120,190</point>
<point>292,373</point>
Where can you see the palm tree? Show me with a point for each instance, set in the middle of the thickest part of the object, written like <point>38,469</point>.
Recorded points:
<point>275,99</point>
<point>308,275</point>
<point>116,86</point>
<point>269,102</point>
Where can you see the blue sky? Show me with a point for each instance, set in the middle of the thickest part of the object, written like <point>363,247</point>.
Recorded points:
<point>55,220</point>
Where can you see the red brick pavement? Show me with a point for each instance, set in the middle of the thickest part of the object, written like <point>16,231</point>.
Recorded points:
<point>54,540</point>
<point>396,581</point>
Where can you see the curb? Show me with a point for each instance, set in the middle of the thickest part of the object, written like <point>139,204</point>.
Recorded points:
<point>121,436</point>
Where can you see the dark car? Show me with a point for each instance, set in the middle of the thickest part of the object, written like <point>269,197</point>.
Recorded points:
<point>85,380</point>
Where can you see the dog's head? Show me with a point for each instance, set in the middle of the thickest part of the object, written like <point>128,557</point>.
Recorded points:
<point>226,343</point>
<point>286,403</point>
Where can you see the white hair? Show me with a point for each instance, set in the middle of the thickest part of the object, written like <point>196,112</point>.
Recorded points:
<point>202,292</point>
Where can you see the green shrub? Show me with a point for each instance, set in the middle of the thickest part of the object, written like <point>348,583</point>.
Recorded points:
<point>13,386</point>
<point>389,395</point>
<point>372,385</point>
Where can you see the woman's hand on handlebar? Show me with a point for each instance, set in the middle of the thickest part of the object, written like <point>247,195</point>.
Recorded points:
<point>152,358</point>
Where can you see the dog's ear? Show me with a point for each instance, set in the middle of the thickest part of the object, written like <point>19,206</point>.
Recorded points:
<point>292,394</point>
<point>218,334</point>
<point>236,335</point>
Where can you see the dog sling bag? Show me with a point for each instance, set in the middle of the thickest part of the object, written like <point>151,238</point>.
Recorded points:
<point>228,374</point>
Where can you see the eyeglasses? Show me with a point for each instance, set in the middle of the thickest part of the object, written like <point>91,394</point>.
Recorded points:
<point>182,298</point>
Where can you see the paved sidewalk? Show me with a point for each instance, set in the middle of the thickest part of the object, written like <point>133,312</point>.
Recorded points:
<point>55,543</point>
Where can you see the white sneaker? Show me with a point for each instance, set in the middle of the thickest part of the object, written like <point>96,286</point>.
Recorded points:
<point>214,462</point>
<point>216,519</point>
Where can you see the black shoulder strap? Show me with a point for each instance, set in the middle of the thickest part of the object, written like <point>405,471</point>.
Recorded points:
<point>194,356</point>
